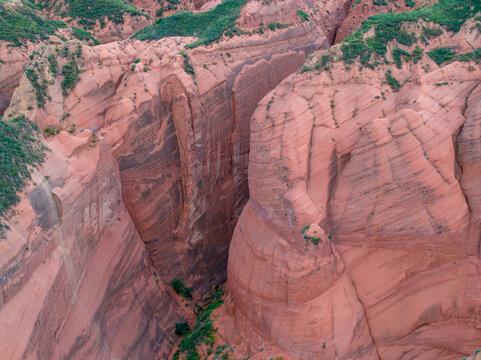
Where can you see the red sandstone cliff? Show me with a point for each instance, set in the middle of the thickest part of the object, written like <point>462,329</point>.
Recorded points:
<point>173,148</point>
<point>393,178</point>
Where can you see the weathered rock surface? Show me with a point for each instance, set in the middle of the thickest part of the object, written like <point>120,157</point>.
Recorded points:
<point>76,280</point>
<point>181,141</point>
<point>166,164</point>
<point>394,178</point>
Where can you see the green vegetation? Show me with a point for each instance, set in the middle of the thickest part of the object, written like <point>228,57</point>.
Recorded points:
<point>188,68</point>
<point>19,149</point>
<point>303,15</point>
<point>181,289</point>
<point>182,328</point>
<point>71,72</point>
<point>410,3</point>
<point>399,54</point>
<point>88,11</point>
<point>208,26</point>
<point>392,82</point>
<point>314,239</point>
<point>441,55</point>
<point>275,25</point>
<point>203,330</point>
<point>22,23</point>
<point>451,14</point>
<point>84,35</point>
<point>53,64</point>
<point>39,88</point>
<point>379,2</point>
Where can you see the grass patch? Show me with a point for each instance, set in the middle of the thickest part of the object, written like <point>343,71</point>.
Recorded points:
<point>19,150</point>
<point>22,23</point>
<point>208,26</point>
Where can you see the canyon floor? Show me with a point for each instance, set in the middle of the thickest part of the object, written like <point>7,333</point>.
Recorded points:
<point>240,179</point>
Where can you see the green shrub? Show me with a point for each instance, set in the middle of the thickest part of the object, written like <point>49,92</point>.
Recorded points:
<point>181,289</point>
<point>302,15</point>
<point>442,54</point>
<point>203,330</point>
<point>89,10</point>
<point>39,88</point>
<point>451,14</point>
<point>397,56</point>
<point>71,72</point>
<point>84,35</point>
<point>275,25</point>
<point>379,2</point>
<point>20,149</point>
<point>208,26</point>
<point>392,82</point>
<point>182,328</point>
<point>410,3</point>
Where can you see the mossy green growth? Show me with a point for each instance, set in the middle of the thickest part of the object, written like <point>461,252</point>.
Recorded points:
<point>208,26</point>
<point>21,23</point>
<point>20,149</point>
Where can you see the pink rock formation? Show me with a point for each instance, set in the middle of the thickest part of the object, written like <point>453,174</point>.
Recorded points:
<point>181,141</point>
<point>76,281</point>
<point>394,178</point>
<point>170,170</point>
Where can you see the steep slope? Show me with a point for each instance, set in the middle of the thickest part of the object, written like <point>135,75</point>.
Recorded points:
<point>374,143</point>
<point>76,281</point>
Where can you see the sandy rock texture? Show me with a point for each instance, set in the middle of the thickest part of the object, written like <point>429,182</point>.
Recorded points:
<point>145,180</point>
<point>181,140</point>
<point>76,280</point>
<point>393,179</point>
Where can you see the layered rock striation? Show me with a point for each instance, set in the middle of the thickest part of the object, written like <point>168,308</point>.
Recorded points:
<point>385,162</point>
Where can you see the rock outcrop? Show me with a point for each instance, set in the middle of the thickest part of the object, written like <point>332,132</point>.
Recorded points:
<point>181,140</point>
<point>151,154</point>
<point>76,280</point>
<point>386,162</point>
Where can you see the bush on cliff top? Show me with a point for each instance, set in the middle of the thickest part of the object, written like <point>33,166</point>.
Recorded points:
<point>208,26</point>
<point>20,149</point>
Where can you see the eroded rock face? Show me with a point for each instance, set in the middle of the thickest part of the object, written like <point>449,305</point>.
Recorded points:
<point>148,153</point>
<point>181,140</point>
<point>393,178</point>
<point>76,280</point>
